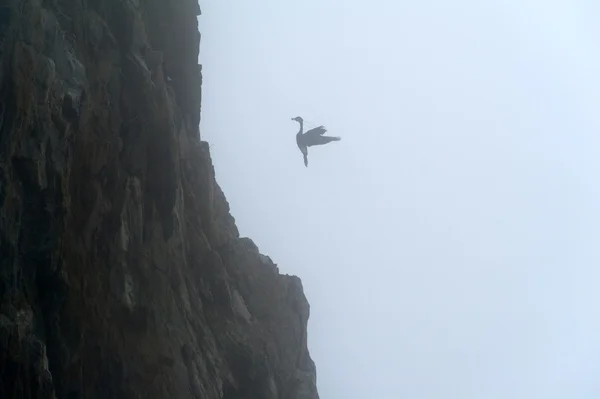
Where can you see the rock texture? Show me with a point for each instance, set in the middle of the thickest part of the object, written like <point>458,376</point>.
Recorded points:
<point>122,273</point>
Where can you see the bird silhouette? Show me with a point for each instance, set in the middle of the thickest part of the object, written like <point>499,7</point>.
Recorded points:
<point>311,138</point>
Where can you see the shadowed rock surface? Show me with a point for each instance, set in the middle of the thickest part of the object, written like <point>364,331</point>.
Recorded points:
<point>122,273</point>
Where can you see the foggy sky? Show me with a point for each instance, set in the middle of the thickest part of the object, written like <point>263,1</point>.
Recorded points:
<point>448,245</point>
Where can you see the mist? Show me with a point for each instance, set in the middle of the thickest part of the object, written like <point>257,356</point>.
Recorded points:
<point>448,244</point>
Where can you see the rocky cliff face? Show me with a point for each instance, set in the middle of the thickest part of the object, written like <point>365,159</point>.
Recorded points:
<point>122,273</point>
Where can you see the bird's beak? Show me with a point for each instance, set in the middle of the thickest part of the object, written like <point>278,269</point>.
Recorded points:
<point>293,119</point>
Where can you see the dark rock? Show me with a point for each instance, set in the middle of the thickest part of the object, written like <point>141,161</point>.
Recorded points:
<point>122,272</point>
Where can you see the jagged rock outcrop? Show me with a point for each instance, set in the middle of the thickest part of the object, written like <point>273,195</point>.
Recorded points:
<point>122,273</point>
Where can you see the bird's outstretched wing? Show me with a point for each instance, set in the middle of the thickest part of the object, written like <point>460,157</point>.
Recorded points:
<point>317,131</point>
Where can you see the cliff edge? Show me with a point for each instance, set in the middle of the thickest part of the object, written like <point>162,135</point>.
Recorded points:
<point>122,273</point>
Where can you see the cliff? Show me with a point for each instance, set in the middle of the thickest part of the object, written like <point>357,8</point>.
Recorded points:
<point>122,273</point>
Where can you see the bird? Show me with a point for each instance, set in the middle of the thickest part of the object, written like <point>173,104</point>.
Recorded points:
<point>311,138</point>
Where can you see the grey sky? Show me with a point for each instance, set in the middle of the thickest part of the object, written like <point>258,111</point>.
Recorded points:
<point>448,244</point>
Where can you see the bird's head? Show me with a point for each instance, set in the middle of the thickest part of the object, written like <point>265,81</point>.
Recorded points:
<point>297,119</point>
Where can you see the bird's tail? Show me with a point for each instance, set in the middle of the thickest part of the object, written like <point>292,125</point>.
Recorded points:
<point>335,138</point>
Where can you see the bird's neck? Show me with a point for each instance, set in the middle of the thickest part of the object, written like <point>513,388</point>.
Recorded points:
<point>301,122</point>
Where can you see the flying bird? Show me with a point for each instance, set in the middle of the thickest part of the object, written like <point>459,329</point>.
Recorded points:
<point>311,138</point>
